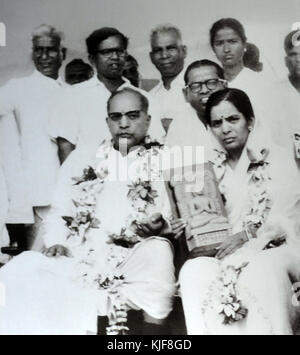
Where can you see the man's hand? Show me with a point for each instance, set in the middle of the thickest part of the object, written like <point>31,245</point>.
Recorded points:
<point>57,250</point>
<point>231,245</point>
<point>151,226</point>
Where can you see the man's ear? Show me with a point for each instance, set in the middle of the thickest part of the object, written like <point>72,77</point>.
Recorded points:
<point>286,58</point>
<point>92,59</point>
<point>185,51</point>
<point>64,53</point>
<point>151,55</point>
<point>186,95</point>
<point>225,84</point>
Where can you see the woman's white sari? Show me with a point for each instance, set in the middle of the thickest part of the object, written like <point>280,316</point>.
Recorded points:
<point>264,285</point>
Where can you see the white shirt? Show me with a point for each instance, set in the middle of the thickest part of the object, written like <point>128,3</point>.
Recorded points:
<point>80,116</point>
<point>31,100</point>
<point>188,131</point>
<point>170,102</point>
<point>267,104</point>
<point>291,99</point>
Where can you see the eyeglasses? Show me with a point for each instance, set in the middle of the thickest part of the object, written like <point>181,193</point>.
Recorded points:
<point>108,53</point>
<point>211,84</point>
<point>51,52</point>
<point>131,115</point>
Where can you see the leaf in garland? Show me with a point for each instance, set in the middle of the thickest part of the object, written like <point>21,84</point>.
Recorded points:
<point>68,220</point>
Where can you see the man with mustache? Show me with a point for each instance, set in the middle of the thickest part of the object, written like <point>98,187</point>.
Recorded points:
<point>202,78</point>
<point>168,55</point>
<point>76,120</point>
<point>27,102</point>
<point>128,237</point>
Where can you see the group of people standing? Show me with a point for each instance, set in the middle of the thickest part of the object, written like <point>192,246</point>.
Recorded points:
<point>108,244</point>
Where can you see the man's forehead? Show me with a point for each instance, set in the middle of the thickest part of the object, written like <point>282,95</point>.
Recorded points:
<point>165,38</point>
<point>111,42</point>
<point>125,102</point>
<point>46,41</point>
<point>202,73</point>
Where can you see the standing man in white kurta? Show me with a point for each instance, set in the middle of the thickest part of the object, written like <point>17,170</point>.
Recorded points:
<point>78,120</point>
<point>31,99</point>
<point>290,89</point>
<point>168,54</point>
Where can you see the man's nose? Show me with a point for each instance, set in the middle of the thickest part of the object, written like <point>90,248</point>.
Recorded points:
<point>164,53</point>
<point>124,123</point>
<point>45,54</point>
<point>114,55</point>
<point>204,90</point>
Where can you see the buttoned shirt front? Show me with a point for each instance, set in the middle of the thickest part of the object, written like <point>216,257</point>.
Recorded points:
<point>169,102</point>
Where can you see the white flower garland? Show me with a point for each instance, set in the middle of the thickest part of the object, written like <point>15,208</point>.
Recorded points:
<point>85,195</point>
<point>253,217</point>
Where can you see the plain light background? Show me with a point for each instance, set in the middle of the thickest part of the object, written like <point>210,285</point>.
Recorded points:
<point>266,23</point>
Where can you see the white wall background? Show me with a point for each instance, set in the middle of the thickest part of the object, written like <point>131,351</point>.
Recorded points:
<point>266,23</point>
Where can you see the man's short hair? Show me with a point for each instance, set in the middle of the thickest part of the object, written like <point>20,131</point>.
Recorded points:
<point>49,31</point>
<point>143,98</point>
<point>165,29</point>
<point>290,39</point>
<point>101,35</point>
<point>203,63</point>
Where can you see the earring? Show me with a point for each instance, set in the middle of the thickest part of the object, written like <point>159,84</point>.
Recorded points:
<point>250,128</point>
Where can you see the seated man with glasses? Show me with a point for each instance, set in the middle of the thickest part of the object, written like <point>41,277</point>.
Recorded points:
<point>108,238</point>
<point>202,78</point>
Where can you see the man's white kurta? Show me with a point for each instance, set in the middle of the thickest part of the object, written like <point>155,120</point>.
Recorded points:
<point>31,100</point>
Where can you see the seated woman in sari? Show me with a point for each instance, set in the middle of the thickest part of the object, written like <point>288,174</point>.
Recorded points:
<point>247,287</point>
<point>106,247</point>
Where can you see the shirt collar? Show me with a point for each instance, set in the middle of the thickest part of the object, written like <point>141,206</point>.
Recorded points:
<point>177,82</point>
<point>38,75</point>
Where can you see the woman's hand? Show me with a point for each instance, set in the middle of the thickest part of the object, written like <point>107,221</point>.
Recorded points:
<point>57,250</point>
<point>231,245</point>
<point>178,227</point>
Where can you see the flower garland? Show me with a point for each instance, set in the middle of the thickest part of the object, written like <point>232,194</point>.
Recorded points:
<point>84,201</point>
<point>259,204</point>
<point>142,195</point>
<point>231,307</point>
<point>253,217</point>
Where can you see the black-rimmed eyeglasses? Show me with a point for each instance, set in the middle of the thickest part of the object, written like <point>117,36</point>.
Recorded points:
<point>211,84</point>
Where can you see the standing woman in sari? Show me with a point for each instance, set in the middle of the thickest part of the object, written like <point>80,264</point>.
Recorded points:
<point>247,287</point>
<point>229,42</point>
